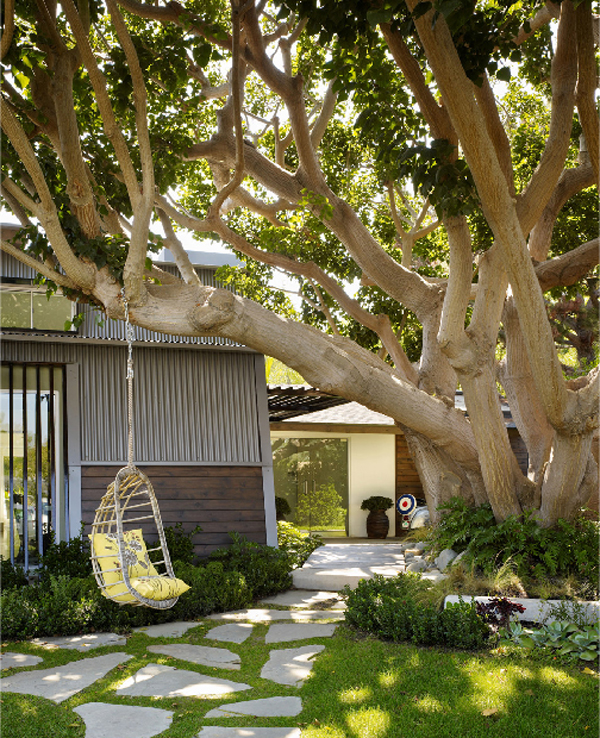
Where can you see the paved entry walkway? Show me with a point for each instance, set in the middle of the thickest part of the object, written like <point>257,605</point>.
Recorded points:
<point>288,666</point>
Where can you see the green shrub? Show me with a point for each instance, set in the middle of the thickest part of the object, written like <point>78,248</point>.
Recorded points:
<point>282,508</point>
<point>66,558</point>
<point>390,608</point>
<point>63,605</point>
<point>11,576</point>
<point>179,544</point>
<point>266,569</point>
<point>295,543</point>
<point>568,549</point>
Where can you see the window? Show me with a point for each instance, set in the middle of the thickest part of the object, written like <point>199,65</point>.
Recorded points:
<point>34,477</point>
<point>312,475</point>
<point>25,307</point>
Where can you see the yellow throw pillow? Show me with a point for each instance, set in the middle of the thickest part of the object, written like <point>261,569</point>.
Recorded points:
<point>159,588</point>
<point>106,549</point>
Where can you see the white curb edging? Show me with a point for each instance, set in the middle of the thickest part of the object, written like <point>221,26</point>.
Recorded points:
<point>535,610</point>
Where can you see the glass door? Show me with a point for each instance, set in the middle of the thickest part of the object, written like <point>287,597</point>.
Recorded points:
<point>32,446</point>
<point>311,474</point>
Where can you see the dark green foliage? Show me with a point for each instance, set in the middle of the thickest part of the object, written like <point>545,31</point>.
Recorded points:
<point>376,502</point>
<point>265,569</point>
<point>63,605</point>
<point>67,558</point>
<point>282,508</point>
<point>11,576</point>
<point>569,548</point>
<point>390,608</point>
<point>296,544</point>
<point>179,543</point>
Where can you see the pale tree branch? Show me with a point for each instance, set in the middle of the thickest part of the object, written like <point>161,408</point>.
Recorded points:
<point>496,131</point>
<point>379,324</point>
<point>327,109</point>
<point>133,274</point>
<point>569,268</point>
<point>37,265</point>
<point>45,211</point>
<point>9,27</point>
<point>182,260</point>
<point>174,12</point>
<point>16,207</point>
<point>499,209</point>
<point>80,193</point>
<point>111,127</point>
<point>237,81</point>
<point>571,182</point>
<point>532,201</point>
<point>587,84</point>
<point>541,18</point>
<point>452,338</point>
<point>322,306</point>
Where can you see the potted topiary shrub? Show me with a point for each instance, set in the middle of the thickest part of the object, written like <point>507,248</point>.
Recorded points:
<point>282,508</point>
<point>378,524</point>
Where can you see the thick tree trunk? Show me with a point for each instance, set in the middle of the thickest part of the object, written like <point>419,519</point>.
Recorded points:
<point>440,476</point>
<point>569,478</point>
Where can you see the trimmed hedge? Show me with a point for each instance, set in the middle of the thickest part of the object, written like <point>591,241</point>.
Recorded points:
<point>61,603</point>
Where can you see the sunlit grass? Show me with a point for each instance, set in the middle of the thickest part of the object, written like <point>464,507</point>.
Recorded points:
<point>360,688</point>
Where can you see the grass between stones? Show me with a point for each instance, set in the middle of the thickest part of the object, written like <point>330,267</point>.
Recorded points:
<point>360,688</point>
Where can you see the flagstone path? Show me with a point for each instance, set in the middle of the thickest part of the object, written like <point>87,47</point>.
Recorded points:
<point>288,666</point>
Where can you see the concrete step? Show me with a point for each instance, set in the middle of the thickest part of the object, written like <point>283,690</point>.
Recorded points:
<point>334,579</point>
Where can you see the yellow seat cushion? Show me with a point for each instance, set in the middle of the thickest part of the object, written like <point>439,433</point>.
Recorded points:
<point>159,588</point>
<point>106,549</point>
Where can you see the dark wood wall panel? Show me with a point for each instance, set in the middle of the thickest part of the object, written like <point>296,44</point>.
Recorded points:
<point>407,477</point>
<point>218,498</point>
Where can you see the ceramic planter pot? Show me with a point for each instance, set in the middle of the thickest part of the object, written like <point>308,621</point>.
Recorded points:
<point>378,524</point>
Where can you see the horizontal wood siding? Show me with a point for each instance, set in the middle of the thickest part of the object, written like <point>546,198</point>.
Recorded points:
<point>219,498</point>
<point>407,477</point>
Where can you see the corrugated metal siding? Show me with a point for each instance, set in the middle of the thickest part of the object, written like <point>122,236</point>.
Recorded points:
<point>189,405</point>
<point>97,325</point>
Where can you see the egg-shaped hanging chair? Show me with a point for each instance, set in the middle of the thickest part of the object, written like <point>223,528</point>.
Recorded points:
<point>127,513</point>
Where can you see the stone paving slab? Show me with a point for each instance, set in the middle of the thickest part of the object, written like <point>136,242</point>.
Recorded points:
<point>61,682</point>
<point>230,632</point>
<point>167,630</point>
<point>257,615</point>
<point>298,632</point>
<point>332,555</point>
<point>332,578</point>
<point>268,707</point>
<point>81,643</point>
<point>117,721</point>
<point>215,731</point>
<point>305,598</point>
<point>10,660</point>
<point>221,658</point>
<point>156,680</point>
<point>290,666</point>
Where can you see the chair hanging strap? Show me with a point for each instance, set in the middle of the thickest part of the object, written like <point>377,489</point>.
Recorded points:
<point>129,335</point>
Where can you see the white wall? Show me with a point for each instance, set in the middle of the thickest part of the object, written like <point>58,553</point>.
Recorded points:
<point>371,471</point>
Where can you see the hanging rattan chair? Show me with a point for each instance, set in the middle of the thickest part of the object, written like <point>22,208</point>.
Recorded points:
<point>127,512</point>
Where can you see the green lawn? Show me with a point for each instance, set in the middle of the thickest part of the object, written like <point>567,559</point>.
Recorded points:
<point>360,688</point>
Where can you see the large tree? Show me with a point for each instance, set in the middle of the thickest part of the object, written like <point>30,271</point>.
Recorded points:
<point>360,148</point>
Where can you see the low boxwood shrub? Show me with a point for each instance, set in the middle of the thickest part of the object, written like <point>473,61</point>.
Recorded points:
<point>11,576</point>
<point>59,604</point>
<point>266,569</point>
<point>295,543</point>
<point>390,608</point>
<point>66,558</point>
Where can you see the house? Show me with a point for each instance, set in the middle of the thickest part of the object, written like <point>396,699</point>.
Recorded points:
<point>200,422</point>
<point>330,454</point>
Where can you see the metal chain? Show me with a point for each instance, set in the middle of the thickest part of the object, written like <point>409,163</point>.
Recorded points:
<point>129,335</point>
